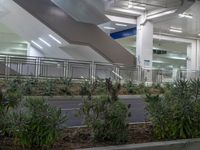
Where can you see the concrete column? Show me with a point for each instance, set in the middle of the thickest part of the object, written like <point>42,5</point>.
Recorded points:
<point>144,47</point>
<point>198,55</point>
<point>193,59</point>
<point>192,56</point>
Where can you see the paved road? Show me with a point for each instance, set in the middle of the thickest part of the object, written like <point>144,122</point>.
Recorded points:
<point>71,105</point>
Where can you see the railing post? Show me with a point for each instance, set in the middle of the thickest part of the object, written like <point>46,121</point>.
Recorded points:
<point>20,68</point>
<point>37,68</point>
<point>66,68</point>
<point>117,72</point>
<point>92,71</point>
<point>7,71</point>
<point>139,70</point>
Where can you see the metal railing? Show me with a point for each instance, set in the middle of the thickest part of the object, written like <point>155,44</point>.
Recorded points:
<point>41,67</point>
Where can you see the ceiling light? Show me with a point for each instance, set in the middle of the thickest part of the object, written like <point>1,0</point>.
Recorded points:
<point>161,14</point>
<point>199,34</point>
<point>158,61</point>
<point>45,42</point>
<point>179,58</point>
<point>122,25</point>
<point>186,16</point>
<point>36,44</point>
<point>109,28</point>
<point>55,39</point>
<point>177,31</point>
<point>130,4</point>
<point>128,11</point>
<point>174,29</point>
<point>139,7</point>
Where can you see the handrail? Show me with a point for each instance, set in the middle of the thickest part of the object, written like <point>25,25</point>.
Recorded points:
<point>45,67</point>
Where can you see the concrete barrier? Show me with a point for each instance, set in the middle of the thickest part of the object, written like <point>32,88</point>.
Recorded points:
<point>189,144</point>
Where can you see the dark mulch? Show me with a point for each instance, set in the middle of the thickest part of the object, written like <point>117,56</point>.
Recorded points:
<point>76,138</point>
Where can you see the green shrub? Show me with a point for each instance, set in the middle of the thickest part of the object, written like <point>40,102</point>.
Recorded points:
<point>48,87</point>
<point>9,99</point>
<point>131,88</point>
<point>100,87</point>
<point>67,84</point>
<point>85,88</point>
<point>176,114</point>
<point>14,84</point>
<point>106,114</point>
<point>28,86</point>
<point>37,124</point>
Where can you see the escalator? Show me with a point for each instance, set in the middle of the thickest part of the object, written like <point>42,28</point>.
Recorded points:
<point>77,32</point>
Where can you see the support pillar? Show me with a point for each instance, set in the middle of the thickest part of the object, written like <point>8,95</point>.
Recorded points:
<point>144,47</point>
<point>192,59</point>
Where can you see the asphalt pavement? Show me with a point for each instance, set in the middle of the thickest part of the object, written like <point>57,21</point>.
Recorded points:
<point>71,105</point>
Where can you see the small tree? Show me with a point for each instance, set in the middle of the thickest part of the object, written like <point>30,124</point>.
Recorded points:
<point>37,124</point>
<point>176,114</point>
<point>106,114</point>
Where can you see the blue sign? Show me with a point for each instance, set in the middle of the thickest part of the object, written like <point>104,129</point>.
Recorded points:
<point>123,34</point>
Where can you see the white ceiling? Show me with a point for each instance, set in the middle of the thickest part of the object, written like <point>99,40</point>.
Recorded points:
<point>149,4</point>
<point>190,27</point>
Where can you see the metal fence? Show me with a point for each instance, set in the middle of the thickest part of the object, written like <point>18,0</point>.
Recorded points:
<point>40,67</point>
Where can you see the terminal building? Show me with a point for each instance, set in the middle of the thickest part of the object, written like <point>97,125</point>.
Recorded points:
<point>127,40</point>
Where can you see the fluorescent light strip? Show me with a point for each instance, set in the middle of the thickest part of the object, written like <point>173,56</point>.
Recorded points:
<point>130,4</point>
<point>127,11</point>
<point>174,30</point>
<point>158,61</point>
<point>45,42</point>
<point>179,58</point>
<point>122,25</point>
<point>139,7</point>
<point>109,28</point>
<point>185,16</point>
<point>55,39</point>
<point>36,44</point>
<point>161,14</point>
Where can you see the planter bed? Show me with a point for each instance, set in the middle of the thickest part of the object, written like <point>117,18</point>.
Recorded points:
<point>80,137</point>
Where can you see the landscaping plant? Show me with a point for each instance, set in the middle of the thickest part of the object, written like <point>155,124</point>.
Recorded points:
<point>106,115</point>
<point>28,86</point>
<point>48,87</point>
<point>131,88</point>
<point>9,99</point>
<point>37,124</point>
<point>86,86</point>
<point>67,84</point>
<point>176,113</point>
